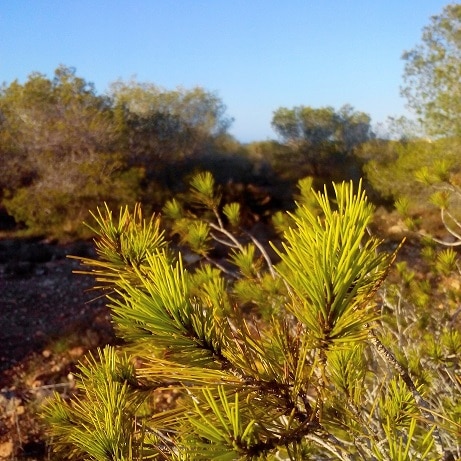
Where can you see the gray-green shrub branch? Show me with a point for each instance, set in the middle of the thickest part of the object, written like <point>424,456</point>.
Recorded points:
<point>423,405</point>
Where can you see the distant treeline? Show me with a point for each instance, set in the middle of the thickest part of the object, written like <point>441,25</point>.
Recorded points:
<point>64,150</point>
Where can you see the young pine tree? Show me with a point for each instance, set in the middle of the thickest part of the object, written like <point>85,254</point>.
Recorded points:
<point>256,359</point>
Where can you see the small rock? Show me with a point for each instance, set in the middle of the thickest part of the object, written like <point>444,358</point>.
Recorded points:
<point>46,353</point>
<point>6,449</point>
<point>76,352</point>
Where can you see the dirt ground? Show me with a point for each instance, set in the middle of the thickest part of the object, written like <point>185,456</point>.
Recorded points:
<point>49,318</point>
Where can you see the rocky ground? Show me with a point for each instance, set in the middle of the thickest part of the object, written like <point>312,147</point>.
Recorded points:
<point>49,318</point>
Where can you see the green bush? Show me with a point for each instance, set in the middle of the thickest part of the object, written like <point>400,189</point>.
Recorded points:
<point>57,212</point>
<point>310,371</point>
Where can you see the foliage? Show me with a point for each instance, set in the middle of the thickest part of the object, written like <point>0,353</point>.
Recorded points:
<point>172,113</point>
<point>426,299</point>
<point>421,177</point>
<point>58,143</point>
<point>309,379</point>
<point>163,128</point>
<point>172,134</point>
<point>65,148</point>
<point>432,77</point>
<point>393,167</point>
<point>322,137</point>
<point>323,126</point>
<point>432,74</point>
<point>420,327</point>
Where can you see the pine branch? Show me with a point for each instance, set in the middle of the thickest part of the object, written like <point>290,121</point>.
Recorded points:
<point>422,404</point>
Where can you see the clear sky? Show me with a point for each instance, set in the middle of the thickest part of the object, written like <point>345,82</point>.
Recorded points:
<point>257,55</point>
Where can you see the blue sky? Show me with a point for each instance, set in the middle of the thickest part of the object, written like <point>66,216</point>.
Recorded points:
<point>257,55</point>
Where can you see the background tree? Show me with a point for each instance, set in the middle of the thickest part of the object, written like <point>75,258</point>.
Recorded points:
<point>401,129</point>
<point>167,123</point>
<point>64,138</point>
<point>322,136</point>
<point>165,130</point>
<point>432,86</point>
<point>432,75</point>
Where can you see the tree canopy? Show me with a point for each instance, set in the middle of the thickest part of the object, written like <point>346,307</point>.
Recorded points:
<point>322,127</point>
<point>59,147</point>
<point>432,75</point>
<point>47,121</point>
<point>175,123</point>
<point>322,140</point>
